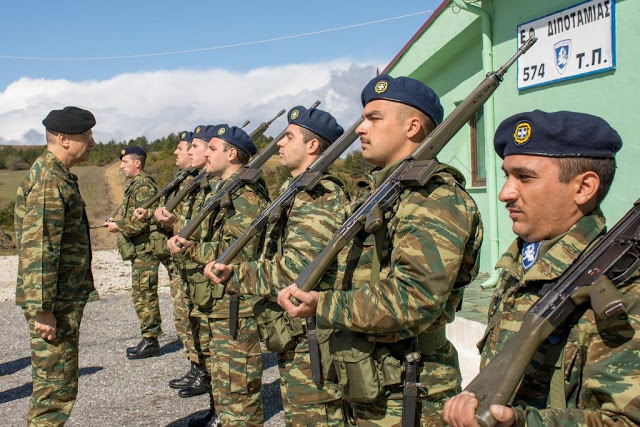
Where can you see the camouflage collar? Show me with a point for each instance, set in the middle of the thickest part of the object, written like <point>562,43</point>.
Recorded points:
<point>555,255</point>
<point>379,175</point>
<point>58,166</point>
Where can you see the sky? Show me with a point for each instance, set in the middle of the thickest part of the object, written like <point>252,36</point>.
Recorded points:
<point>234,69</point>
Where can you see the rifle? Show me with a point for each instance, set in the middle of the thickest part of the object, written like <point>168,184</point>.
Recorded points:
<point>414,171</point>
<point>171,186</point>
<point>591,278</point>
<point>203,176</point>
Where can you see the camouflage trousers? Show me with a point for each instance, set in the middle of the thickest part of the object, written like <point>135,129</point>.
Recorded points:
<point>235,367</point>
<point>54,367</point>
<point>182,306</point>
<point>305,404</point>
<point>388,412</point>
<point>144,293</point>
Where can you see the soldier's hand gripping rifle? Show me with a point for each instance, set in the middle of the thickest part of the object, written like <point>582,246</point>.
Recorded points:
<point>591,278</point>
<point>203,177</point>
<point>303,182</point>
<point>414,171</point>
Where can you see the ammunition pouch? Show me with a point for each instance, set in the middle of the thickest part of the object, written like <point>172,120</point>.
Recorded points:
<point>158,237</point>
<point>126,248</point>
<point>204,293</point>
<point>277,330</point>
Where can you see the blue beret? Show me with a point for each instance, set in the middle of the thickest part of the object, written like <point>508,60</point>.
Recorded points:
<point>407,91</point>
<point>133,149</point>
<point>317,121</point>
<point>185,135</point>
<point>236,137</point>
<point>559,134</point>
<point>72,120</point>
<point>202,132</point>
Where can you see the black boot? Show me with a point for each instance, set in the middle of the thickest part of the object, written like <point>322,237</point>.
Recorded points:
<point>206,418</point>
<point>200,384</point>
<point>148,347</point>
<point>187,380</point>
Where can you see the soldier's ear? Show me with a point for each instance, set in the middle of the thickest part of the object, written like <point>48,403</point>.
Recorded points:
<point>63,139</point>
<point>587,185</point>
<point>313,146</point>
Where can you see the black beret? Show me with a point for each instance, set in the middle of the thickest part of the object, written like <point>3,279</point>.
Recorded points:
<point>236,137</point>
<point>133,149</point>
<point>317,121</point>
<point>72,120</point>
<point>407,91</point>
<point>201,132</point>
<point>559,134</point>
<point>185,135</point>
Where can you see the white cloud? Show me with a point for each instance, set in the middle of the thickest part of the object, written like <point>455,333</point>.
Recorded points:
<point>157,103</point>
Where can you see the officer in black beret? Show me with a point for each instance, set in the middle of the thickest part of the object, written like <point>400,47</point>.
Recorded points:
<point>54,272</point>
<point>559,167</point>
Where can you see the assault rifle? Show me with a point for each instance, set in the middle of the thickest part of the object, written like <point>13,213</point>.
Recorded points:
<point>203,176</point>
<point>171,186</point>
<point>414,171</point>
<point>591,278</point>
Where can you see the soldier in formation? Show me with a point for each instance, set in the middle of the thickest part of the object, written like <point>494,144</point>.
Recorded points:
<point>54,268</point>
<point>134,245</point>
<point>586,372</point>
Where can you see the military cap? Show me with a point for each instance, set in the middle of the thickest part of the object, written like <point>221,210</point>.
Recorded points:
<point>133,149</point>
<point>201,132</point>
<point>185,135</point>
<point>72,120</point>
<point>236,137</point>
<point>407,91</point>
<point>559,134</point>
<point>317,121</point>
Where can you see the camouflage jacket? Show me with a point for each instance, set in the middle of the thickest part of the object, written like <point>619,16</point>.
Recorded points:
<point>221,229</point>
<point>185,208</point>
<point>430,251</point>
<point>139,189</point>
<point>52,231</point>
<point>300,234</point>
<point>602,357</point>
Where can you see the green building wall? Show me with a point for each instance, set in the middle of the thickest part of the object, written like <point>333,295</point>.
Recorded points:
<point>447,55</point>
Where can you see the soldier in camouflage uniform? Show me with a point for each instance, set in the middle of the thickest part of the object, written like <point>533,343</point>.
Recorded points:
<point>54,267</point>
<point>404,283</point>
<point>559,167</point>
<point>235,364</point>
<point>293,241</point>
<point>134,245</point>
<point>159,234</point>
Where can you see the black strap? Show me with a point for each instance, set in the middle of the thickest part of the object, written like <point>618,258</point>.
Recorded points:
<point>410,392</point>
<point>234,305</point>
<point>314,351</point>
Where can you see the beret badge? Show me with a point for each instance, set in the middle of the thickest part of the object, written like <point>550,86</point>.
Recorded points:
<point>221,131</point>
<point>522,133</point>
<point>123,152</point>
<point>183,135</point>
<point>381,87</point>
<point>294,114</point>
<point>198,129</point>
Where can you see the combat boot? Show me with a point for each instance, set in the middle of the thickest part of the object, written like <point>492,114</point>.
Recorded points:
<point>209,417</point>
<point>201,384</point>
<point>148,347</point>
<point>187,379</point>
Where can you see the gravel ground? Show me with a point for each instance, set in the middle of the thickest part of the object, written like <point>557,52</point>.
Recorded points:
<point>113,390</point>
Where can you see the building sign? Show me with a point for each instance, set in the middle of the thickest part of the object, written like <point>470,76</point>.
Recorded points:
<point>571,43</point>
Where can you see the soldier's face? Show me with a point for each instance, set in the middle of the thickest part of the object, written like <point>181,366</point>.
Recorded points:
<point>181,152</point>
<point>128,166</point>
<point>382,135</point>
<point>293,149</point>
<point>540,206</point>
<point>80,145</point>
<point>217,157</point>
<point>196,153</point>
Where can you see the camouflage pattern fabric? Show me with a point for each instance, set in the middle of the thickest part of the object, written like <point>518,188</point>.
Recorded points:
<point>430,251</point>
<point>235,366</point>
<point>601,379</point>
<point>54,274</point>
<point>144,266</point>
<point>293,242</point>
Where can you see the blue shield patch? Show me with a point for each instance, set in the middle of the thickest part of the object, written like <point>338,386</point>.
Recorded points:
<point>529,254</point>
<point>562,50</point>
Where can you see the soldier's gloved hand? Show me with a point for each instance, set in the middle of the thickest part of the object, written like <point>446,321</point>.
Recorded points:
<point>460,411</point>
<point>175,249</point>
<point>111,226</point>
<point>224,272</point>
<point>140,214</point>
<point>164,217</point>
<point>308,301</point>
<point>45,323</point>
